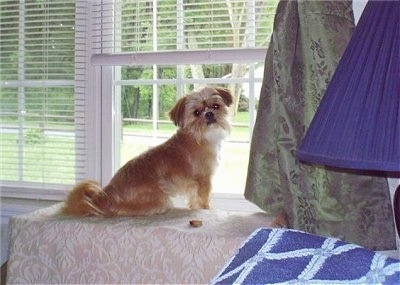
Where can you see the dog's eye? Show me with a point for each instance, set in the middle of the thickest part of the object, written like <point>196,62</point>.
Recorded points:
<point>216,106</point>
<point>196,113</point>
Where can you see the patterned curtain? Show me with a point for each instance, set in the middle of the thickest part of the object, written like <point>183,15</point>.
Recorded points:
<point>308,40</point>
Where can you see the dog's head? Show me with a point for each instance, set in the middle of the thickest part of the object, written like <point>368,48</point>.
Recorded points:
<point>203,113</point>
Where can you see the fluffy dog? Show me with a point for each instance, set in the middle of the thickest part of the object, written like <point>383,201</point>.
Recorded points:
<point>183,165</point>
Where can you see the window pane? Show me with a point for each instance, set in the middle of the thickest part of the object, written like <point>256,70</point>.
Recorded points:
<point>37,141</point>
<point>37,108</point>
<point>144,25</point>
<point>145,94</point>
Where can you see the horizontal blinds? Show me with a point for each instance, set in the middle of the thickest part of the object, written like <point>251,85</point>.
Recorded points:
<point>42,32</point>
<point>147,26</point>
<point>37,77</point>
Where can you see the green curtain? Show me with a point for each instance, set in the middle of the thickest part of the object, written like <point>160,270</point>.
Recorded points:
<point>307,42</point>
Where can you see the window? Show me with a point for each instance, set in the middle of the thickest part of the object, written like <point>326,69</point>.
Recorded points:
<point>160,50</point>
<point>39,146</point>
<point>85,85</point>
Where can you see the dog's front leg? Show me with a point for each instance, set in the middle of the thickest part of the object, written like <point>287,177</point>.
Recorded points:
<point>200,198</point>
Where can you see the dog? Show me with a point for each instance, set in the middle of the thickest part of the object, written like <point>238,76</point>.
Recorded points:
<point>183,165</point>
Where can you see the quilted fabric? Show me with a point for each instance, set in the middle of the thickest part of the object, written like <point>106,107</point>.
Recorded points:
<point>271,256</point>
<point>48,248</point>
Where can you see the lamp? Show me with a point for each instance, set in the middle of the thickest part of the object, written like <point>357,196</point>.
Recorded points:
<point>357,124</point>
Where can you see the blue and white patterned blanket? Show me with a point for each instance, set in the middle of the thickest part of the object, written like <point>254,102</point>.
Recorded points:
<point>271,256</point>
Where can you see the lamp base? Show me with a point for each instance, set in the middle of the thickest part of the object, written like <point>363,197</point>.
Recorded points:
<point>396,208</point>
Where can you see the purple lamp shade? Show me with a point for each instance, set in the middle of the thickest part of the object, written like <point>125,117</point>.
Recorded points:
<point>357,124</point>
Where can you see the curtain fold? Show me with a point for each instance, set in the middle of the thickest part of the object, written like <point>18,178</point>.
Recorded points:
<point>308,40</point>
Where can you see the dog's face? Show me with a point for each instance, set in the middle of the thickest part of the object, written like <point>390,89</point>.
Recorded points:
<point>203,113</point>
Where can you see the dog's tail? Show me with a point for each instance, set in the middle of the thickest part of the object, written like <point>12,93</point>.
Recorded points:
<point>83,200</point>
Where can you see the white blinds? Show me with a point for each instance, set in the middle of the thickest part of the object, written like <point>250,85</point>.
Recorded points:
<point>38,103</point>
<point>164,27</point>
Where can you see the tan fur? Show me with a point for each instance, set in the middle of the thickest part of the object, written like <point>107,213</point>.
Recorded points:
<point>184,164</point>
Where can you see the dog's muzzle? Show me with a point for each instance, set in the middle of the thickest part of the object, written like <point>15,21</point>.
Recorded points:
<point>210,117</point>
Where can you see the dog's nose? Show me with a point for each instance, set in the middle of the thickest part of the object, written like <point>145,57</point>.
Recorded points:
<point>210,118</point>
<point>209,115</point>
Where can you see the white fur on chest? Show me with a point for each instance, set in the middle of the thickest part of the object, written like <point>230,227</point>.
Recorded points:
<point>215,136</point>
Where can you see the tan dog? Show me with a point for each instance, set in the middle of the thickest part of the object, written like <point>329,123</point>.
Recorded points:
<point>184,164</point>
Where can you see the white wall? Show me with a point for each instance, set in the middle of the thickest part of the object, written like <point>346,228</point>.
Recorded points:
<point>358,7</point>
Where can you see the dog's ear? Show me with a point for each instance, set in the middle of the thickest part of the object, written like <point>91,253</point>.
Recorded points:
<point>225,95</point>
<point>177,113</point>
